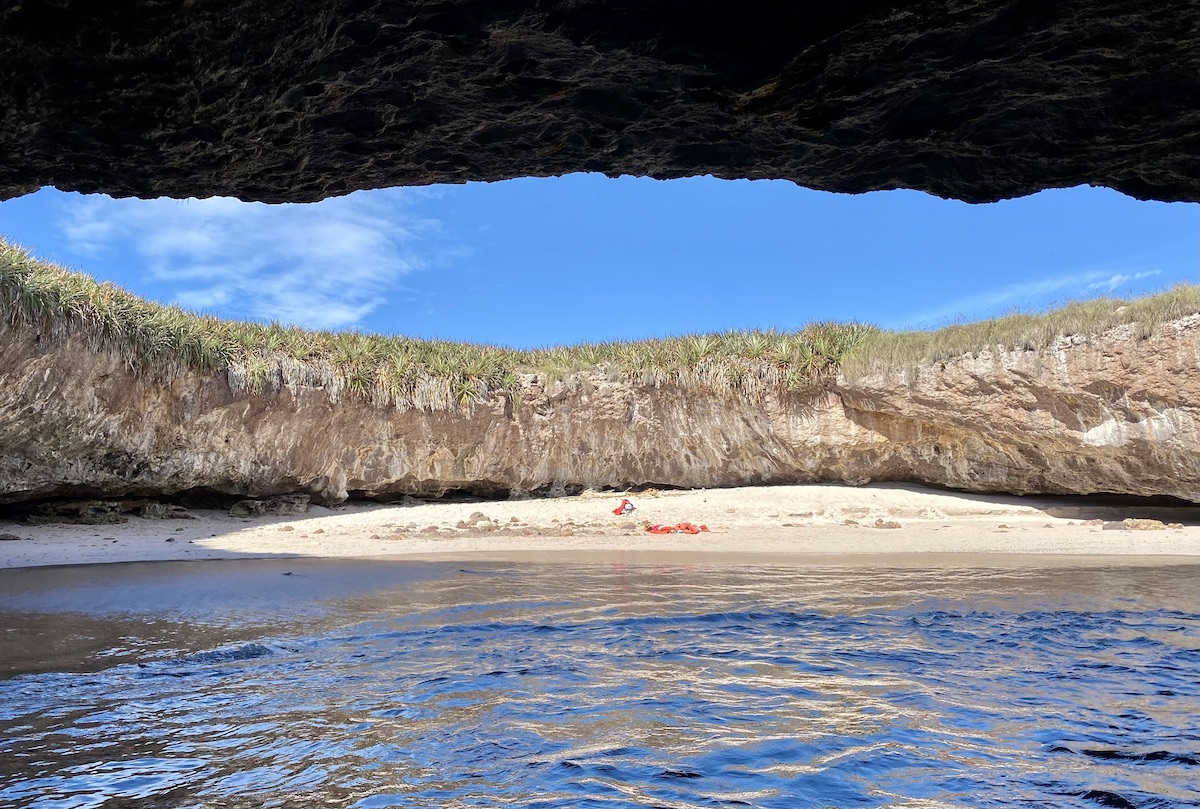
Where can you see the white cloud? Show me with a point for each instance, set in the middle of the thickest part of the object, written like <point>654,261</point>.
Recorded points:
<point>203,299</point>
<point>324,265</point>
<point>1027,295</point>
<point>87,230</point>
<point>1116,280</point>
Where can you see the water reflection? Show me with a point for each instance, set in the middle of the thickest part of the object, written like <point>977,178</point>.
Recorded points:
<point>609,685</point>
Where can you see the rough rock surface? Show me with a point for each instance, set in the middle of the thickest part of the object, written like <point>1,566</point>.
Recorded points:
<point>1109,414</point>
<point>291,100</point>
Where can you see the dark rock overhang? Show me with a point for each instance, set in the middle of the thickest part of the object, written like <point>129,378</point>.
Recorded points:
<point>297,100</point>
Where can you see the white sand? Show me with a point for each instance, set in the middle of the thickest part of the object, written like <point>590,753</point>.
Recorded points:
<point>793,521</point>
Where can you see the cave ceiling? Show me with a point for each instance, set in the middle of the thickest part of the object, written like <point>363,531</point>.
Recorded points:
<point>283,100</point>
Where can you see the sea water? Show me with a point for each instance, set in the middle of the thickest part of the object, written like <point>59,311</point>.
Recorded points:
<point>607,684</point>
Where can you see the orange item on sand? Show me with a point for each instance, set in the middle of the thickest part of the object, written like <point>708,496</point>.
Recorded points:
<point>680,528</point>
<point>625,507</point>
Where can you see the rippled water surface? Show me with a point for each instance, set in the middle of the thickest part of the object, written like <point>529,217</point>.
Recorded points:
<point>598,685</point>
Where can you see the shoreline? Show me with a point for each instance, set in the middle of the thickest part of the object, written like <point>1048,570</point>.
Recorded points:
<point>886,524</point>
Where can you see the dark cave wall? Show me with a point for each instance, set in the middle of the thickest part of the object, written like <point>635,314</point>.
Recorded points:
<point>296,101</point>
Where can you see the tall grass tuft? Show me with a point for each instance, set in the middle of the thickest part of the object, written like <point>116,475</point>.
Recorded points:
<point>440,375</point>
<point>903,352</point>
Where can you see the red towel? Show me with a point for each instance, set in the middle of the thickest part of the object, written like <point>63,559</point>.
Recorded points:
<point>680,528</point>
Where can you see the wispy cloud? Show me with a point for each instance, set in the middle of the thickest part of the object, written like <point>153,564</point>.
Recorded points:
<point>1117,280</point>
<point>1025,295</point>
<point>324,265</point>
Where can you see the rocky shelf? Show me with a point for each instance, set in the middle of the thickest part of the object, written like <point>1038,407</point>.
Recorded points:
<point>1117,413</point>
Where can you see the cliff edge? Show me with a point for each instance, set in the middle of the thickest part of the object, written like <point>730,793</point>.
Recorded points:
<point>1113,412</point>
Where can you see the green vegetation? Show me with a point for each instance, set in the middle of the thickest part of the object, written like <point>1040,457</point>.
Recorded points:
<point>434,374</point>
<point>890,352</point>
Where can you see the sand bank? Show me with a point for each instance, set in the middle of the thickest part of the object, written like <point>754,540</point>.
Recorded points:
<point>813,520</point>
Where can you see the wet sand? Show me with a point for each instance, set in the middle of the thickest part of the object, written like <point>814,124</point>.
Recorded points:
<point>895,521</point>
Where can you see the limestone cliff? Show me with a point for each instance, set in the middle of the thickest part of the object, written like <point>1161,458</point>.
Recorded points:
<point>1112,413</point>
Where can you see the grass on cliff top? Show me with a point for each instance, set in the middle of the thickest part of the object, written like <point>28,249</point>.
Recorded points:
<point>442,375</point>
<point>889,352</point>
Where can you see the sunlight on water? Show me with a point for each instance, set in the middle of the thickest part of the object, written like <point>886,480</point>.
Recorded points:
<point>391,685</point>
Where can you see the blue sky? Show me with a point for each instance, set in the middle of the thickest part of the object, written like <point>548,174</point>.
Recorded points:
<point>587,258</point>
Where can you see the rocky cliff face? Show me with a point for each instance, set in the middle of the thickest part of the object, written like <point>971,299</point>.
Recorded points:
<point>297,100</point>
<point>1111,413</point>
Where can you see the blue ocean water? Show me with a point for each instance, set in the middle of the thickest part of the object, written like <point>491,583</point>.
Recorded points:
<point>605,685</point>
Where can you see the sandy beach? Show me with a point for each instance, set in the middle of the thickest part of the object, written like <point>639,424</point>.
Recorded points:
<point>804,521</point>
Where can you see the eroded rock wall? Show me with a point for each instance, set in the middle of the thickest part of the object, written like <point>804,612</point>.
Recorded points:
<point>1110,414</point>
<point>297,100</point>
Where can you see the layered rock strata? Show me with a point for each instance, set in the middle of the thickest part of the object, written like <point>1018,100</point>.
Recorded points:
<point>298,100</point>
<point>1112,413</point>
